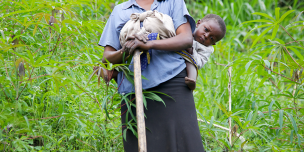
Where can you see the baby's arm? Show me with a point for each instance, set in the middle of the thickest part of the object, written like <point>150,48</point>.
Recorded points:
<point>201,54</point>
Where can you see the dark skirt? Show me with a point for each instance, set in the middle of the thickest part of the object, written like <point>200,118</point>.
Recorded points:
<point>170,128</point>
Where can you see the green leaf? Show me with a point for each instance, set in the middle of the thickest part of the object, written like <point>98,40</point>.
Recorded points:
<point>127,101</point>
<point>36,26</point>
<point>1,58</point>
<point>89,58</point>
<point>293,27</point>
<point>104,105</point>
<point>284,15</point>
<point>278,104</point>
<point>30,56</point>
<point>249,117</point>
<point>154,97</point>
<point>293,123</point>
<point>259,37</point>
<point>142,77</point>
<point>281,118</point>
<point>253,120</point>
<point>211,122</point>
<point>277,13</point>
<point>224,142</point>
<point>242,145</point>
<point>27,122</point>
<point>132,129</point>
<point>283,95</point>
<point>299,55</point>
<point>261,26</point>
<point>267,63</point>
<point>222,108</point>
<point>157,92</point>
<point>258,21</point>
<point>295,2</point>
<point>261,114</point>
<point>270,108</point>
<point>145,102</point>
<point>299,139</point>
<point>291,136</point>
<point>35,29</point>
<point>125,134</point>
<point>16,12</point>
<point>248,65</point>
<point>274,31</point>
<point>264,14</point>
<point>123,57</point>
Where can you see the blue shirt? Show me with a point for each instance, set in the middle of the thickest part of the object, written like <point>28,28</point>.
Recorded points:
<point>164,65</point>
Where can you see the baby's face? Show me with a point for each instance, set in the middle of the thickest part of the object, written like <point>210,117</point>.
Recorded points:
<point>207,32</point>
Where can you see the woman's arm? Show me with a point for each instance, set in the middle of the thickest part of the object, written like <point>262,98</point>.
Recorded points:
<point>181,41</point>
<point>112,55</point>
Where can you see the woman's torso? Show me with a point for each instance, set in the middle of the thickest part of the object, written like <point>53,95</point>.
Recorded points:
<point>164,65</point>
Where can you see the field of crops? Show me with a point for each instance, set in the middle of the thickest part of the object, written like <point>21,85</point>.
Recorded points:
<point>49,100</point>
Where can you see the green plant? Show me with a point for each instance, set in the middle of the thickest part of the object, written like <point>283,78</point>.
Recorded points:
<point>266,79</point>
<point>48,101</point>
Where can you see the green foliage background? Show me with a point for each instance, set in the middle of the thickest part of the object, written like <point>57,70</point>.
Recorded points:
<point>46,102</point>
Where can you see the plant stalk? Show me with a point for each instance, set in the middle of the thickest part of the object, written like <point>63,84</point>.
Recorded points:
<point>229,92</point>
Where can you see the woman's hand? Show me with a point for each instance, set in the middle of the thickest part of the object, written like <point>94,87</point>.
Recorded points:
<point>115,57</point>
<point>138,41</point>
<point>140,36</point>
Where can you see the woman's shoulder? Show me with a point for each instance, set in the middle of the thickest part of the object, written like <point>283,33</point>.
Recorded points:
<point>118,8</point>
<point>122,11</point>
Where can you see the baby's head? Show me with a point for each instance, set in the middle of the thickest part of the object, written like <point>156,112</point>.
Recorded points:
<point>209,30</point>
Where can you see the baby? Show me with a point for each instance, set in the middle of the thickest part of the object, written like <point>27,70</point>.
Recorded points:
<point>209,30</point>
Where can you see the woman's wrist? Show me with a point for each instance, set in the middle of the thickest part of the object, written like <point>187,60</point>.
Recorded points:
<point>150,45</point>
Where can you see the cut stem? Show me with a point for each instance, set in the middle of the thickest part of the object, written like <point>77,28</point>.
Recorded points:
<point>141,127</point>
<point>229,102</point>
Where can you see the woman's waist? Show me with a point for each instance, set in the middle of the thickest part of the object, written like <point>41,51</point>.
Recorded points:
<point>155,75</point>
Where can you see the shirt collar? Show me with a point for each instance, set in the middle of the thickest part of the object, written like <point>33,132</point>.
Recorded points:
<point>133,2</point>
<point>154,5</point>
<point>129,4</point>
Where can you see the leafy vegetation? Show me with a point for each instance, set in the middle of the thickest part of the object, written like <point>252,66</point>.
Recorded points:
<point>48,50</point>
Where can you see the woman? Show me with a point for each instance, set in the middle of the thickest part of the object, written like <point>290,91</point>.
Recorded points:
<point>172,127</point>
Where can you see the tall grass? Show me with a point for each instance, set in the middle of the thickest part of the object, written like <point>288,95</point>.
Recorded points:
<point>48,49</point>
<point>266,107</point>
<point>46,102</point>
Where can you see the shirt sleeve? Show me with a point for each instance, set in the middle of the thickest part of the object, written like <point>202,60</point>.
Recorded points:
<point>110,34</point>
<point>180,15</point>
<point>201,54</point>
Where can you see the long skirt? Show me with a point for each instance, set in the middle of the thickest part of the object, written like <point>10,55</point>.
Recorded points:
<point>172,127</point>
